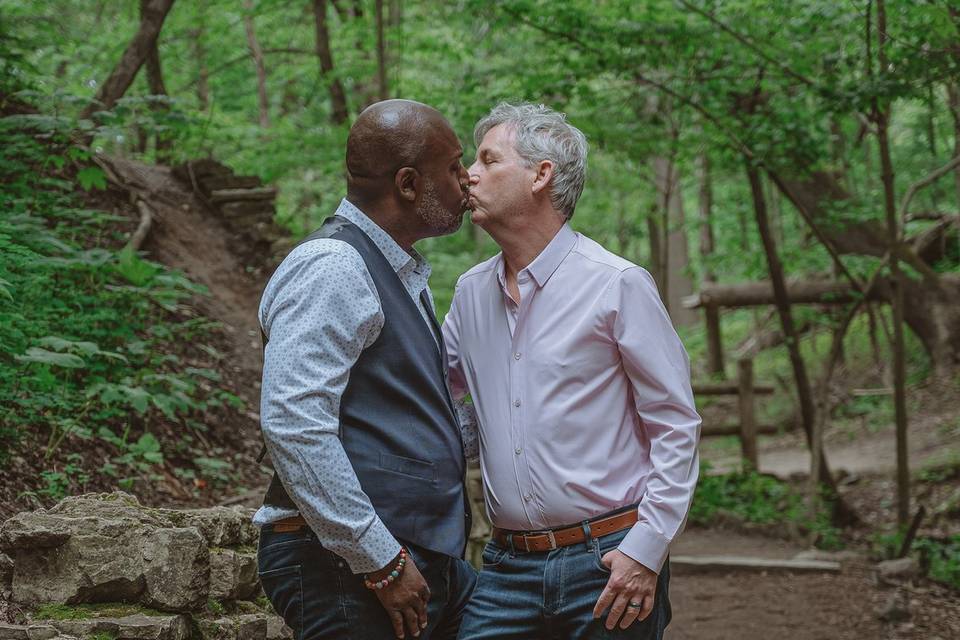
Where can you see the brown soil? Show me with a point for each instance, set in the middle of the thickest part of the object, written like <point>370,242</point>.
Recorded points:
<point>794,606</point>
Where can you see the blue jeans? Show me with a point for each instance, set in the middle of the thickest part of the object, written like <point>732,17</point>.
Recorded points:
<point>319,597</point>
<point>551,595</point>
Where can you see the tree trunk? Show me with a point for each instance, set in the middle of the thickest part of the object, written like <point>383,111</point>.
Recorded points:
<point>760,294</point>
<point>953,95</point>
<point>256,52</point>
<point>711,312</point>
<point>804,394</point>
<point>162,142</point>
<point>132,59</point>
<point>674,250</point>
<point>882,117</point>
<point>656,252</point>
<point>200,53</point>
<point>383,90</point>
<point>338,98</point>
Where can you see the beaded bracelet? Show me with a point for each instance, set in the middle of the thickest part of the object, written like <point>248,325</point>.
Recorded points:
<point>393,575</point>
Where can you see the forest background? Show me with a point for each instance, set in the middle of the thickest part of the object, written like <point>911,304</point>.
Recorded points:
<point>813,143</point>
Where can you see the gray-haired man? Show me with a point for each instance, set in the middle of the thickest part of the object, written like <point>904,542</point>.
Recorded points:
<point>587,425</point>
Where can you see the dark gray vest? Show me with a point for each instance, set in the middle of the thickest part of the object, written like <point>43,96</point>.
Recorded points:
<point>397,422</point>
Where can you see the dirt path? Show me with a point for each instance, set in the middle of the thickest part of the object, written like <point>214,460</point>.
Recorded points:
<point>852,449</point>
<point>793,606</point>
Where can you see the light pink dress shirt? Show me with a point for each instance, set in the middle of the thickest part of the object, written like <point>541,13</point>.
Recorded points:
<point>582,394</point>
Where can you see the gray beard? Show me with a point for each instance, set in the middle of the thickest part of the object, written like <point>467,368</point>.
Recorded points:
<point>433,213</point>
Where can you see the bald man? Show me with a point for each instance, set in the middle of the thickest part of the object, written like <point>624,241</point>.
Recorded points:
<point>364,525</point>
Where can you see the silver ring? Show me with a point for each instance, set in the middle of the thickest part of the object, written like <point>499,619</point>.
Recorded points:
<point>635,605</point>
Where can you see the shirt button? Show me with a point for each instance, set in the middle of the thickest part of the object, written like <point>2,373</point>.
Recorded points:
<point>517,450</point>
<point>516,403</point>
<point>516,355</point>
<point>528,497</point>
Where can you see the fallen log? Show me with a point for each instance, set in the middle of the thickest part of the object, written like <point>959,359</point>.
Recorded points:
<point>234,195</point>
<point>696,564</point>
<point>717,430</point>
<point>756,294</point>
<point>728,389</point>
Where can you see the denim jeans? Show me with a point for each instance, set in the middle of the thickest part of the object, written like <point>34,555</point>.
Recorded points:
<point>551,595</point>
<point>319,597</point>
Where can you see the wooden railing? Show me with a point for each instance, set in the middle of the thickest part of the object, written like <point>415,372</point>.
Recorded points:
<point>746,389</point>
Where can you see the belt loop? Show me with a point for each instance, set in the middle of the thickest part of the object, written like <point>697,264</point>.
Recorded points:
<point>587,537</point>
<point>513,550</point>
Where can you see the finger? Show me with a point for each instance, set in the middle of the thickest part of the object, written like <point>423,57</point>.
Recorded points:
<point>616,610</point>
<point>630,615</point>
<point>605,600</point>
<point>397,621</point>
<point>421,608</point>
<point>647,607</point>
<point>413,621</point>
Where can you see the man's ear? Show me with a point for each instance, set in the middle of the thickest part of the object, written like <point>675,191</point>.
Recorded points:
<point>544,174</point>
<point>407,181</point>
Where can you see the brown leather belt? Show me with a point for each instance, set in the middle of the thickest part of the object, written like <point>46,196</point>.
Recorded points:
<point>556,538</point>
<point>288,525</point>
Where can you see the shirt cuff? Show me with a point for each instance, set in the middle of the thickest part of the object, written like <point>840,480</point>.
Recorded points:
<point>646,546</point>
<point>375,549</point>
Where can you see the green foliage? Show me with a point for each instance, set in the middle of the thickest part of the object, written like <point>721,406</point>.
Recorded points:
<point>85,326</point>
<point>56,611</point>
<point>762,499</point>
<point>215,607</point>
<point>941,558</point>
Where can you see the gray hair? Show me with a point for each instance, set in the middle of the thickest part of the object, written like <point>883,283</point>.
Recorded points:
<point>544,134</point>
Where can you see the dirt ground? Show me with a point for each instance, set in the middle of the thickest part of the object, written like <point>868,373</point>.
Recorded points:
<point>793,606</point>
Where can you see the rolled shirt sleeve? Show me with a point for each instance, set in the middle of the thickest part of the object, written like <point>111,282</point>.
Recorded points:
<point>658,368</point>
<point>319,311</point>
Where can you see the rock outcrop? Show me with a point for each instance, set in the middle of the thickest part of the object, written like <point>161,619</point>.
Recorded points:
<point>184,570</point>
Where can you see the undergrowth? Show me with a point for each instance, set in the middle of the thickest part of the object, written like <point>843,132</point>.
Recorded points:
<point>89,330</point>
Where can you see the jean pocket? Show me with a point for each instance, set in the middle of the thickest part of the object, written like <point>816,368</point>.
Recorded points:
<point>604,545</point>
<point>493,555</point>
<point>283,586</point>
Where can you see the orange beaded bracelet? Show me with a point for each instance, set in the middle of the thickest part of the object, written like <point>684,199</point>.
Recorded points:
<point>393,575</point>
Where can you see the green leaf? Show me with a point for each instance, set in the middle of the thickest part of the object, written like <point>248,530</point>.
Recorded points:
<point>42,356</point>
<point>136,271</point>
<point>92,177</point>
<point>5,290</point>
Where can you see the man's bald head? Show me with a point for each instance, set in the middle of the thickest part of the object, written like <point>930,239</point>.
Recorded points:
<point>389,135</point>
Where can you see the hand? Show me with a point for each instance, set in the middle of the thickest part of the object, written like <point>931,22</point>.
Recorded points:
<point>405,599</point>
<point>629,582</point>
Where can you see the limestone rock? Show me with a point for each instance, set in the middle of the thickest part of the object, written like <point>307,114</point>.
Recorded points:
<point>41,632</point>
<point>898,571</point>
<point>13,632</point>
<point>277,629</point>
<point>233,575</point>
<point>245,627</point>
<point>220,526</point>
<point>105,548</point>
<point>134,627</point>
<point>6,572</point>
<point>176,572</point>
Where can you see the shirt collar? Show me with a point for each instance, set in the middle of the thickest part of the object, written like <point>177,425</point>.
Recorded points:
<point>393,252</point>
<point>547,262</point>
